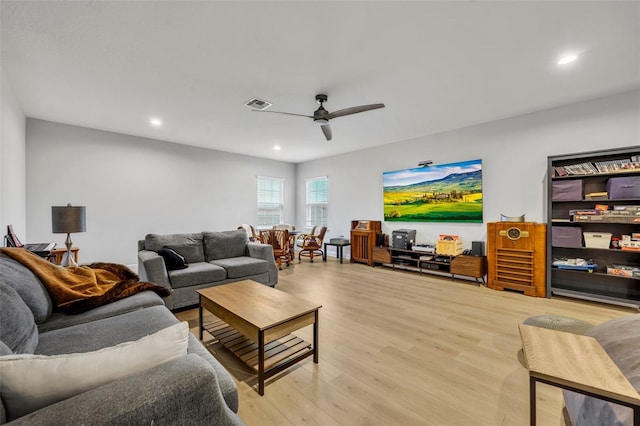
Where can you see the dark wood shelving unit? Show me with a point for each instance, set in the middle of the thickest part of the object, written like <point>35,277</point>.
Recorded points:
<point>413,260</point>
<point>597,285</point>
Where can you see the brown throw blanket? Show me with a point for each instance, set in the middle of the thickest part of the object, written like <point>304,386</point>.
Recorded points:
<point>76,289</point>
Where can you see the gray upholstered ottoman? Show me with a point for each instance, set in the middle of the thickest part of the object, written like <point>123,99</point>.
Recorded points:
<point>556,322</point>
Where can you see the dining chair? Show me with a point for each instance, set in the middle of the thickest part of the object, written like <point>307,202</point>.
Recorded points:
<point>280,241</point>
<point>286,226</point>
<point>311,244</point>
<point>251,232</point>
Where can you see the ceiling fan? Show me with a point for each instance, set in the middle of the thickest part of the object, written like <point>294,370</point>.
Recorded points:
<point>321,116</point>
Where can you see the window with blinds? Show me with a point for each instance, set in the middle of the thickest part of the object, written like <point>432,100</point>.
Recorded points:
<point>317,201</point>
<point>270,201</point>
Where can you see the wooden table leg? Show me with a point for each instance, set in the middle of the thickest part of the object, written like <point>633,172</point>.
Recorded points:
<point>315,338</point>
<point>201,324</point>
<point>532,401</point>
<point>261,362</point>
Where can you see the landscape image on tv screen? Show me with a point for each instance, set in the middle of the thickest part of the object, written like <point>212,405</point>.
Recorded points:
<point>444,193</point>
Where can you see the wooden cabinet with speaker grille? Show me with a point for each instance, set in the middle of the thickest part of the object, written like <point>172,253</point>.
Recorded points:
<point>516,253</point>
<point>364,235</point>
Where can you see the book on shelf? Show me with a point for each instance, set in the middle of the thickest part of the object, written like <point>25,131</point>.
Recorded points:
<point>585,168</point>
<point>589,168</point>
<point>595,197</point>
<point>559,171</point>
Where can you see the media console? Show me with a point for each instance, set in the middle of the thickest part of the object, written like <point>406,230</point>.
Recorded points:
<point>419,261</point>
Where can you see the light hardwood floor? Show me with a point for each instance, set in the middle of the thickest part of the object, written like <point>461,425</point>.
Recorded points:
<point>399,348</point>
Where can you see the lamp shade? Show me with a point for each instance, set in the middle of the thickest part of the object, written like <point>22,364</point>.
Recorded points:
<point>68,219</point>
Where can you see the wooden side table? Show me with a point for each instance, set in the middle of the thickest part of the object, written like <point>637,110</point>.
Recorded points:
<point>58,253</point>
<point>577,363</point>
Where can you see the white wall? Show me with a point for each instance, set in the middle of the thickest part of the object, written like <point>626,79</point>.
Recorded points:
<point>133,186</point>
<point>514,161</point>
<point>12,162</point>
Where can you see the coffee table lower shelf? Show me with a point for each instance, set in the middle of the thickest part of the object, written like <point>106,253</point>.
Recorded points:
<point>278,355</point>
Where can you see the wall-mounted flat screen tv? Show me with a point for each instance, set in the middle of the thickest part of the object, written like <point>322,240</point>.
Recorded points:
<point>443,193</point>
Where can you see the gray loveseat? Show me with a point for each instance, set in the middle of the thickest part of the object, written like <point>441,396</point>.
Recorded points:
<point>191,389</point>
<point>213,258</point>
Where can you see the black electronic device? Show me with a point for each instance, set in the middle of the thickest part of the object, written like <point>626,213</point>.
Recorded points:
<point>403,238</point>
<point>477,248</point>
<point>443,259</point>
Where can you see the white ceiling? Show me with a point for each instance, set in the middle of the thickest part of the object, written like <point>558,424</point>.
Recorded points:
<point>437,65</point>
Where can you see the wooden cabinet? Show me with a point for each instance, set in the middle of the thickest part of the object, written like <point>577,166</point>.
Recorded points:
<point>470,266</point>
<point>364,235</point>
<point>595,283</point>
<point>516,253</point>
<point>381,255</point>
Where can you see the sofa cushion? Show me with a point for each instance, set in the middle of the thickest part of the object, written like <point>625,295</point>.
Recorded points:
<point>17,326</point>
<point>132,303</point>
<point>31,382</point>
<point>172,259</point>
<point>197,273</point>
<point>105,332</point>
<point>187,245</point>
<point>28,286</point>
<point>620,338</point>
<point>225,244</point>
<point>243,266</point>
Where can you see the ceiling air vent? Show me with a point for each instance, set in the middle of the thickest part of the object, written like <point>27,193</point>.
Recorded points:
<point>258,104</point>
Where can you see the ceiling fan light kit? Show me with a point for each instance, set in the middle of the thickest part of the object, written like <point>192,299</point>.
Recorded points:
<point>321,116</point>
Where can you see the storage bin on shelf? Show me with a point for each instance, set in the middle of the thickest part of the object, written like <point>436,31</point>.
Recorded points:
<point>567,190</point>
<point>623,187</point>
<point>566,236</point>
<point>597,239</point>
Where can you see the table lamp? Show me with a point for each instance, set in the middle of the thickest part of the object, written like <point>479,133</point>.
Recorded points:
<point>68,219</point>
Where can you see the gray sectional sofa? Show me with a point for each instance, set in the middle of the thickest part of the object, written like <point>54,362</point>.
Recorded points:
<point>192,388</point>
<point>620,338</point>
<point>212,258</point>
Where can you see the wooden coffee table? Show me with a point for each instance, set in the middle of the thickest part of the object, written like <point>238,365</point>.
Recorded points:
<point>254,322</point>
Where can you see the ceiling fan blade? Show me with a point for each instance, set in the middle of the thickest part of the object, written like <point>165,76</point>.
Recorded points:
<point>286,113</point>
<point>353,110</point>
<point>327,131</point>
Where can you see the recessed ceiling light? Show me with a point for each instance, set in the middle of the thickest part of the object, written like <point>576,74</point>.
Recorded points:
<point>276,148</point>
<point>567,59</point>
<point>155,122</point>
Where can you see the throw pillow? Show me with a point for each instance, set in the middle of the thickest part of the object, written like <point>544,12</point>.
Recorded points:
<point>30,382</point>
<point>172,259</point>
